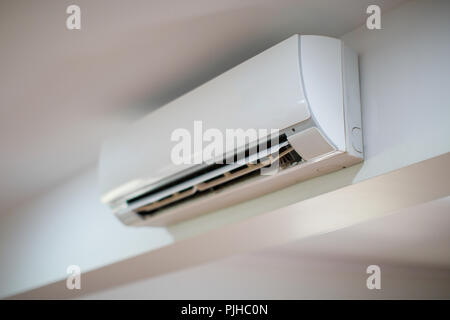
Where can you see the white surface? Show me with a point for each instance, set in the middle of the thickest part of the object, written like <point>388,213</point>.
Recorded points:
<point>310,143</point>
<point>414,236</point>
<point>324,93</point>
<point>405,87</point>
<point>262,93</point>
<point>399,130</point>
<point>66,226</point>
<point>410,246</point>
<point>274,276</point>
<point>352,102</point>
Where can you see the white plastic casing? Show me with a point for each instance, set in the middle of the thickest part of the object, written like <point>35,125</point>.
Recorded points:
<point>308,83</point>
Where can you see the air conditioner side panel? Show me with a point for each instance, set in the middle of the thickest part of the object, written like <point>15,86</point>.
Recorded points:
<point>321,68</point>
<point>352,103</point>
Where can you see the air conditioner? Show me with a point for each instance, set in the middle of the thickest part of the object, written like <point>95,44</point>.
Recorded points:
<point>306,87</point>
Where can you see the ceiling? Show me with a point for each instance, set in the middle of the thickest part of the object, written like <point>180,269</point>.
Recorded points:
<point>410,246</point>
<point>62,92</point>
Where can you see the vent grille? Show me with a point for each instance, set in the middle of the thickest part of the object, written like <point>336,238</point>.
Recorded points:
<point>213,178</point>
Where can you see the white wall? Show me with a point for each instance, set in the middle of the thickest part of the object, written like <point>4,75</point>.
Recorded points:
<point>406,112</point>
<point>66,226</point>
<point>405,85</point>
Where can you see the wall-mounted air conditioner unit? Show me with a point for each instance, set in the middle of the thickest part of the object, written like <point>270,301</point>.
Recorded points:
<point>307,87</point>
